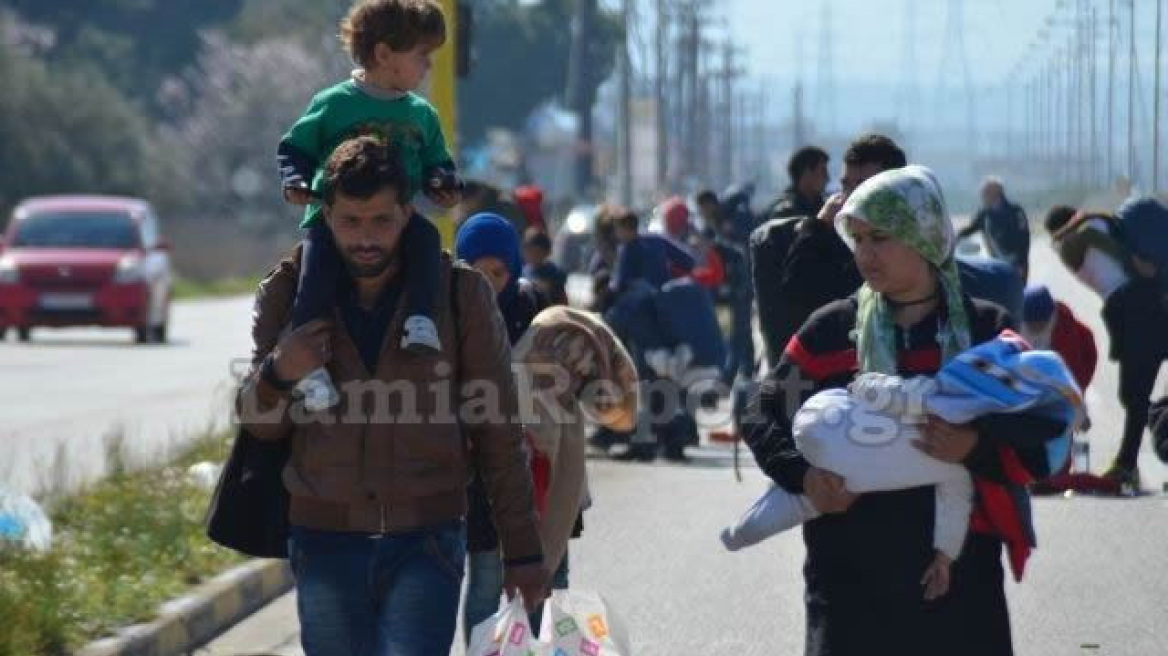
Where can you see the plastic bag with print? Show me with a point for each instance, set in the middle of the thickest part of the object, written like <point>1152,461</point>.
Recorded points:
<point>506,633</point>
<point>578,623</point>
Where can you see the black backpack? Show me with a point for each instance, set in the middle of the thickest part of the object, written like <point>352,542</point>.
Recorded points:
<point>770,246</point>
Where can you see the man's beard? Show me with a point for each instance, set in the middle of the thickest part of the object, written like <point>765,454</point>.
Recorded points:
<point>363,269</point>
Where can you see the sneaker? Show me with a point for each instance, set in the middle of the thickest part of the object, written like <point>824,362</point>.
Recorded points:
<point>1128,479</point>
<point>677,456</point>
<point>420,335</point>
<point>318,391</point>
<point>640,452</point>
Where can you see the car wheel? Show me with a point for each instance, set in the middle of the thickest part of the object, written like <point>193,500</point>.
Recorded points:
<point>159,334</point>
<point>24,334</point>
<point>3,333</point>
<point>143,335</point>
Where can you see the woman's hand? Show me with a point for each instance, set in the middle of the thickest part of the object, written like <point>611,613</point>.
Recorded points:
<point>945,441</point>
<point>826,491</point>
<point>936,578</point>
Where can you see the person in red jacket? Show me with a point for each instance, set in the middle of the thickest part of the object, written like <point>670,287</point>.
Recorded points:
<point>529,198</point>
<point>1049,324</point>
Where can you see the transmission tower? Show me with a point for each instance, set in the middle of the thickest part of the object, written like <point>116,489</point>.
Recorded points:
<point>825,84</point>
<point>955,65</point>
<point>910,93</point>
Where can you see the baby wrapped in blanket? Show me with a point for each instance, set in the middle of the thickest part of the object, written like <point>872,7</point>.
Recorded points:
<point>865,433</point>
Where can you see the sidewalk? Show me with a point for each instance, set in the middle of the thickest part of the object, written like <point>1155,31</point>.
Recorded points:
<point>273,631</point>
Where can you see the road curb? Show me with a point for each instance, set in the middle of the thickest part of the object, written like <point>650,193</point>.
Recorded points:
<point>191,621</point>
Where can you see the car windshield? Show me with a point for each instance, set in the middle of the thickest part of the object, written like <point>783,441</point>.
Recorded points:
<point>77,230</point>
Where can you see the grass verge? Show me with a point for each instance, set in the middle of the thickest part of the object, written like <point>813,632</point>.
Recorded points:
<point>185,288</point>
<point>120,549</point>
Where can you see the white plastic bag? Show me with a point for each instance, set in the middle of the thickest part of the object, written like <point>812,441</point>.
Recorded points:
<point>506,633</point>
<point>578,623</point>
<point>23,523</point>
<point>574,623</point>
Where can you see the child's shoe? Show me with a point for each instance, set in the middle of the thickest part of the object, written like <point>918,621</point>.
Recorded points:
<point>318,391</point>
<point>420,335</point>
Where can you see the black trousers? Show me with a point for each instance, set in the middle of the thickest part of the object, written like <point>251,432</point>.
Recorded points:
<point>1136,315</point>
<point>321,265</point>
<point>865,615</point>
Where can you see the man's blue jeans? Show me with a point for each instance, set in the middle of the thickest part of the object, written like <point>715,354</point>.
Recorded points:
<point>378,595</point>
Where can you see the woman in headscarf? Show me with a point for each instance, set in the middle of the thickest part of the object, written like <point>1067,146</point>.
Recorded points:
<point>489,243</point>
<point>867,554</point>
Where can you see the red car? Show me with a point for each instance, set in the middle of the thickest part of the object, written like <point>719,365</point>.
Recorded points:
<point>85,261</point>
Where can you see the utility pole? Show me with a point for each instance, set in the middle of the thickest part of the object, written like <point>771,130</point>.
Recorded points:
<point>1111,29</point>
<point>1156,104</point>
<point>625,132</point>
<point>955,48</point>
<point>1131,96</point>
<point>1092,171</point>
<point>729,74</point>
<point>1070,149</point>
<point>1080,94</point>
<point>910,97</point>
<point>683,90</point>
<point>660,107</point>
<point>825,106</point>
<point>579,94</point>
<point>799,128</point>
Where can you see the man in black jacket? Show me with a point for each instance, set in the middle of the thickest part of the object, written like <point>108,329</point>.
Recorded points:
<point>807,169</point>
<point>799,262</point>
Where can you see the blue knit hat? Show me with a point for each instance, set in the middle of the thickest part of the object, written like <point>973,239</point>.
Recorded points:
<point>1038,304</point>
<point>490,235</point>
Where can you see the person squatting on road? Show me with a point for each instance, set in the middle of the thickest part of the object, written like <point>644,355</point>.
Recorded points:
<point>867,553</point>
<point>377,484</point>
<point>1135,312</point>
<point>391,41</point>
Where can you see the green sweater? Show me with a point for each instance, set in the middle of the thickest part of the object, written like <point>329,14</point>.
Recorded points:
<point>407,122</point>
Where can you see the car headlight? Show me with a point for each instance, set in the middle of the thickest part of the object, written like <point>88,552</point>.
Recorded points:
<point>130,270</point>
<point>9,274</point>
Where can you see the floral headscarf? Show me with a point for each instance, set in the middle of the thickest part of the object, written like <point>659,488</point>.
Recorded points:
<point>907,204</point>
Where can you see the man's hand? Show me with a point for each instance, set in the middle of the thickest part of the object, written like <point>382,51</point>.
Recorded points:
<point>826,491</point>
<point>832,207</point>
<point>298,195</point>
<point>445,199</point>
<point>303,350</point>
<point>945,441</point>
<point>530,581</point>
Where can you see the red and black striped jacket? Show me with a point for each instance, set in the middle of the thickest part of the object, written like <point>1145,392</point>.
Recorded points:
<point>822,355</point>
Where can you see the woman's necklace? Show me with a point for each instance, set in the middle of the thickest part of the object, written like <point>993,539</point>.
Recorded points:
<point>897,305</point>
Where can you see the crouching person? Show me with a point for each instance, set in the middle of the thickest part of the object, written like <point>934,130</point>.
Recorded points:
<point>377,483</point>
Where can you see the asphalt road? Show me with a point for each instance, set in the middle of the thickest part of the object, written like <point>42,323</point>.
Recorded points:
<point>64,395</point>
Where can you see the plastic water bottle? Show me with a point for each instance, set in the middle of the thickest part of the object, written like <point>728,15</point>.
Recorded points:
<point>1080,456</point>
